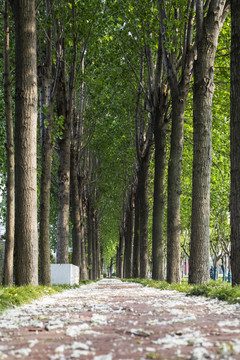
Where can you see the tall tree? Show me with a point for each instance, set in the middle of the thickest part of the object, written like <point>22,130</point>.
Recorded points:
<point>159,96</point>
<point>177,44</point>
<point>64,166</point>
<point>158,271</point>
<point>235,140</point>
<point>26,231</point>
<point>78,215</point>
<point>208,29</point>
<point>9,247</point>
<point>92,217</point>
<point>46,98</point>
<point>144,144</point>
<point>65,107</point>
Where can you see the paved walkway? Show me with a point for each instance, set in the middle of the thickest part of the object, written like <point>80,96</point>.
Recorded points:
<point>113,320</point>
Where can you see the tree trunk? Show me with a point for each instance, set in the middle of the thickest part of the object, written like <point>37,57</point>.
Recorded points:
<point>63,172</point>
<point>202,142</point>
<point>202,159</point>
<point>235,141</point>
<point>44,76</point>
<point>9,246</point>
<point>84,271</point>
<point>179,77</point>
<point>121,252</point>
<point>102,261</point>
<point>136,239</point>
<point>46,152</point>
<point>117,261</point>
<point>26,231</point>
<point>98,256</point>
<point>128,253</point>
<point>143,213</point>
<point>174,192</point>
<point>94,240</point>
<point>158,272</point>
<point>90,239</point>
<point>75,206</point>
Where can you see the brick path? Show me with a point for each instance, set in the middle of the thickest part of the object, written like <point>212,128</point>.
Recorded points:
<point>113,320</point>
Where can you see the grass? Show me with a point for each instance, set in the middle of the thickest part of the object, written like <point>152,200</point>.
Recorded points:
<point>19,295</point>
<point>16,296</point>
<point>162,285</point>
<point>219,289</point>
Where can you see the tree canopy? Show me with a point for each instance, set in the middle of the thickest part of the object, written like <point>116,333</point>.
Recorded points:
<point>106,59</point>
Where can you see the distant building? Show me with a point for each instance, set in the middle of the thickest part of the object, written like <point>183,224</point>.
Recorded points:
<point>2,249</point>
<point>2,230</point>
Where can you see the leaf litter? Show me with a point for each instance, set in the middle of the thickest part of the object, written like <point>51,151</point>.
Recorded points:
<point>111,320</point>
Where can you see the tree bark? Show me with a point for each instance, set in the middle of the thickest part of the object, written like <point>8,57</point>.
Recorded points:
<point>128,253</point>
<point>117,260</point>
<point>26,231</point>
<point>84,272</point>
<point>98,256</point>
<point>63,172</point>
<point>179,81</point>
<point>158,272</point>
<point>46,102</point>
<point>90,239</point>
<point>136,239</point>
<point>9,246</point>
<point>174,192</point>
<point>46,152</point>
<point>202,142</point>
<point>94,240</point>
<point>235,141</point>
<point>143,140</point>
<point>143,212</point>
<point>121,252</point>
<point>75,206</point>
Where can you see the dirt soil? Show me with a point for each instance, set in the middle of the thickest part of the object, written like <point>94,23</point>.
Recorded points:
<point>115,320</point>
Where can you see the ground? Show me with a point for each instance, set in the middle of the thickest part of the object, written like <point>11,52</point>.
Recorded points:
<point>114,320</point>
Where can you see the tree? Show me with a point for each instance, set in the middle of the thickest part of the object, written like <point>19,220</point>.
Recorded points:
<point>158,105</point>
<point>26,232</point>
<point>128,232</point>
<point>9,247</point>
<point>92,216</point>
<point>235,139</point>
<point>208,30</point>
<point>176,28</point>
<point>46,98</point>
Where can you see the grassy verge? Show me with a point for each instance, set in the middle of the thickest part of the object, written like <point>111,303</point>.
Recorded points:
<point>219,289</point>
<point>19,295</point>
<point>16,296</point>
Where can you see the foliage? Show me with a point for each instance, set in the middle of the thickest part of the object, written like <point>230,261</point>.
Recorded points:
<point>220,175</point>
<point>112,35</point>
<point>111,100</point>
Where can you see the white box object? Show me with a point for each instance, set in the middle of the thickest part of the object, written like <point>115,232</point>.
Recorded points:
<point>64,274</point>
